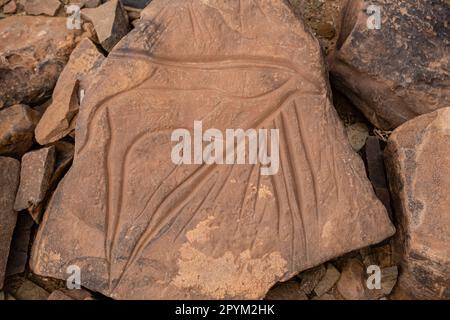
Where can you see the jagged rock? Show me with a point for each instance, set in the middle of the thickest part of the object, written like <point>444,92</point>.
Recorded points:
<point>17,124</point>
<point>59,118</point>
<point>352,283</point>
<point>42,7</point>
<point>9,181</point>
<point>418,162</point>
<point>328,280</point>
<point>124,199</point>
<point>289,290</point>
<point>357,135</point>
<point>400,71</point>
<point>35,175</point>
<point>33,52</point>
<point>110,22</point>
<point>10,7</point>
<point>310,278</point>
<point>389,278</point>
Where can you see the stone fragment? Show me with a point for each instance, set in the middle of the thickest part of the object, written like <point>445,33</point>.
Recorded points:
<point>418,162</point>
<point>9,181</point>
<point>20,245</point>
<point>33,52</point>
<point>328,281</point>
<point>10,7</point>
<point>17,124</point>
<point>58,295</point>
<point>400,70</point>
<point>30,291</point>
<point>59,118</point>
<point>35,175</point>
<point>311,277</point>
<point>124,199</point>
<point>357,134</point>
<point>289,290</point>
<point>42,7</point>
<point>352,283</point>
<point>110,22</point>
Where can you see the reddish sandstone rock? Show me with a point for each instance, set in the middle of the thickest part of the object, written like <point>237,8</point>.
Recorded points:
<point>59,118</point>
<point>400,71</point>
<point>140,226</point>
<point>33,52</point>
<point>110,21</point>
<point>418,158</point>
<point>36,172</point>
<point>17,124</point>
<point>9,181</point>
<point>42,7</point>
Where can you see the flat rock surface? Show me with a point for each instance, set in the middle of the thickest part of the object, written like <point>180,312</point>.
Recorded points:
<point>33,52</point>
<point>9,181</point>
<point>233,233</point>
<point>399,71</point>
<point>418,158</point>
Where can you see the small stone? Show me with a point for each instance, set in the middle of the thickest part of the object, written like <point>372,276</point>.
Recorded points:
<point>328,281</point>
<point>311,277</point>
<point>58,295</point>
<point>326,30</point>
<point>110,22</point>
<point>357,135</point>
<point>17,124</point>
<point>9,181</point>
<point>10,7</point>
<point>289,290</point>
<point>60,117</point>
<point>42,7</point>
<point>351,284</point>
<point>35,175</point>
<point>31,291</point>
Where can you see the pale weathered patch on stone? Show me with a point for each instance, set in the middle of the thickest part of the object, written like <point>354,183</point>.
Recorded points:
<point>232,232</point>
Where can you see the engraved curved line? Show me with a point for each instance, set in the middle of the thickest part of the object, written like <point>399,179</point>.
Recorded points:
<point>308,156</point>
<point>107,187</point>
<point>100,105</point>
<point>103,101</point>
<point>199,176</point>
<point>116,214</point>
<point>221,63</point>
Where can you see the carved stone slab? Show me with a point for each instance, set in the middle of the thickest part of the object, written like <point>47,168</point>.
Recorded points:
<point>140,226</point>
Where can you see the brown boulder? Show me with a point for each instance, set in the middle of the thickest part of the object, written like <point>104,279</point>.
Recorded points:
<point>233,232</point>
<point>110,22</point>
<point>399,71</point>
<point>9,181</point>
<point>59,118</point>
<point>33,52</point>
<point>289,290</point>
<point>418,162</point>
<point>17,124</point>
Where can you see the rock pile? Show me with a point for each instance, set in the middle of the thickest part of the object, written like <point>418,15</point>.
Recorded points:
<point>87,178</point>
